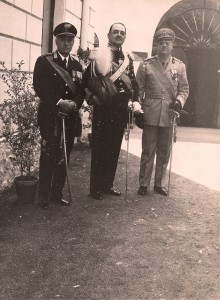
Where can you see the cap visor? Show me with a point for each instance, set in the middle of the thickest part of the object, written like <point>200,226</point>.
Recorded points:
<point>164,38</point>
<point>65,33</point>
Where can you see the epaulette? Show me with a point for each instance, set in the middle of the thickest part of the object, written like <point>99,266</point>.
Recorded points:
<point>176,59</point>
<point>74,56</point>
<point>150,58</point>
<point>46,54</point>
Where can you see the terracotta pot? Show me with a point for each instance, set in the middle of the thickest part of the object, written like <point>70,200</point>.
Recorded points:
<point>26,187</point>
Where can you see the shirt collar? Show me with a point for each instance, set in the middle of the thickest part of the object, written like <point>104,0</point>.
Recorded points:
<point>166,62</point>
<point>62,57</point>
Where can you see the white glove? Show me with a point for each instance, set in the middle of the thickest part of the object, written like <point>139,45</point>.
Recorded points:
<point>130,105</point>
<point>137,107</point>
<point>67,106</point>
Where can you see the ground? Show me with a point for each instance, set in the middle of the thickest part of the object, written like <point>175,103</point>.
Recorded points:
<point>150,247</point>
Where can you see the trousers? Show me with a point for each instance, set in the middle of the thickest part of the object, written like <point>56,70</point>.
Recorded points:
<point>108,126</point>
<point>155,141</point>
<point>52,169</point>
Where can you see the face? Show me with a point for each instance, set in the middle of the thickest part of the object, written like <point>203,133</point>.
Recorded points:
<point>165,46</point>
<point>117,35</point>
<point>64,44</point>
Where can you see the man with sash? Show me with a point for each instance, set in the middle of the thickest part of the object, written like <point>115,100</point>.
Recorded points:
<point>163,88</point>
<point>109,94</point>
<point>57,81</point>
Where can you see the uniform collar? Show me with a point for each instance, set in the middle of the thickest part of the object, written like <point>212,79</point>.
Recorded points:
<point>164,63</point>
<point>114,48</point>
<point>62,57</point>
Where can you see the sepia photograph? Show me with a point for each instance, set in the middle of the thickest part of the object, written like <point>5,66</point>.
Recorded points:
<point>109,149</point>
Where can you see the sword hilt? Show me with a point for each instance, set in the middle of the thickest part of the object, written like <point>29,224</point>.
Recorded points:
<point>62,114</point>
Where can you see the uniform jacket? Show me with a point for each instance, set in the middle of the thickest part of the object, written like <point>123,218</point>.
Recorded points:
<point>50,88</point>
<point>154,96</point>
<point>132,91</point>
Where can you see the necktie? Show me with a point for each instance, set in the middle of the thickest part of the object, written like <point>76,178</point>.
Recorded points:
<point>64,63</point>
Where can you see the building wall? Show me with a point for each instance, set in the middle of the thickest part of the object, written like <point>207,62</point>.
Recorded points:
<point>20,32</point>
<point>26,28</point>
<point>25,33</point>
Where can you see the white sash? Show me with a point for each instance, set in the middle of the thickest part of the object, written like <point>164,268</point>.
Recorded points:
<point>121,69</point>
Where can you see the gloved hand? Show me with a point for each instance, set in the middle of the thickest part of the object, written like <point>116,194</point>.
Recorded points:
<point>130,105</point>
<point>67,106</point>
<point>91,98</point>
<point>176,105</point>
<point>137,107</point>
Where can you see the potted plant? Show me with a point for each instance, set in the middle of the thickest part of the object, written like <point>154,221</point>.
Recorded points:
<point>18,114</point>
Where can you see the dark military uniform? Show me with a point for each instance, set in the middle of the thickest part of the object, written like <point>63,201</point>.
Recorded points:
<point>109,121</point>
<point>50,87</point>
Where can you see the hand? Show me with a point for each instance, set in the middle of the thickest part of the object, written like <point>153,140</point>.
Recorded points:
<point>91,98</point>
<point>89,95</point>
<point>130,105</point>
<point>177,106</point>
<point>137,107</point>
<point>67,106</point>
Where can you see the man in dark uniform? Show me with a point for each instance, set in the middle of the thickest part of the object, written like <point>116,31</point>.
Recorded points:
<point>57,81</point>
<point>163,87</point>
<point>110,116</point>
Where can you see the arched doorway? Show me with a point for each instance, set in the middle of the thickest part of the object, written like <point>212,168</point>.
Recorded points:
<point>197,27</point>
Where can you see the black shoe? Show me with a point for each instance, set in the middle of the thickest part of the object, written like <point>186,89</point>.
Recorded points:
<point>112,192</point>
<point>62,202</point>
<point>97,196</point>
<point>160,190</point>
<point>142,190</point>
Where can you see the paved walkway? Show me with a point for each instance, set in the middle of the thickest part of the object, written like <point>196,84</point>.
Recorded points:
<point>196,155</point>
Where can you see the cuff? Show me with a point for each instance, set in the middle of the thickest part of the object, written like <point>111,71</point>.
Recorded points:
<point>59,101</point>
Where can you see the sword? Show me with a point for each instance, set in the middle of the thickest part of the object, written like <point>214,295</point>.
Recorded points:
<point>63,115</point>
<point>175,115</point>
<point>127,135</point>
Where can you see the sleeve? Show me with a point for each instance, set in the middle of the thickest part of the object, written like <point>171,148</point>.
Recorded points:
<point>42,89</point>
<point>183,86</point>
<point>134,83</point>
<point>141,79</point>
<point>86,76</point>
<point>79,98</point>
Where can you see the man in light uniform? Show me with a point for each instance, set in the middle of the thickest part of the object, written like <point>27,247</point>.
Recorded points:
<point>163,86</point>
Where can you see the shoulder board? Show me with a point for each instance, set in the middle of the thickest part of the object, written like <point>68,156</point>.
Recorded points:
<point>174,59</point>
<point>150,58</point>
<point>75,57</point>
<point>46,54</point>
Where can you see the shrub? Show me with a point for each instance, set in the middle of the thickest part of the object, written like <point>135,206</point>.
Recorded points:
<point>18,113</point>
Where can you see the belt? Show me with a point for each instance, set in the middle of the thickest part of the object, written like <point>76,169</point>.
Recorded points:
<point>153,96</point>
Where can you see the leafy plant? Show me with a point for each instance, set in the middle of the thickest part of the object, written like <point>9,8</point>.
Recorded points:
<point>89,109</point>
<point>83,55</point>
<point>19,117</point>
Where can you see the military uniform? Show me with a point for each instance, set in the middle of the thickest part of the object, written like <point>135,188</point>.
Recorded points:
<point>156,102</point>
<point>50,87</point>
<point>109,121</point>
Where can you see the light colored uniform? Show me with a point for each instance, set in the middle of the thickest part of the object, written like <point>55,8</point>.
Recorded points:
<point>155,100</point>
